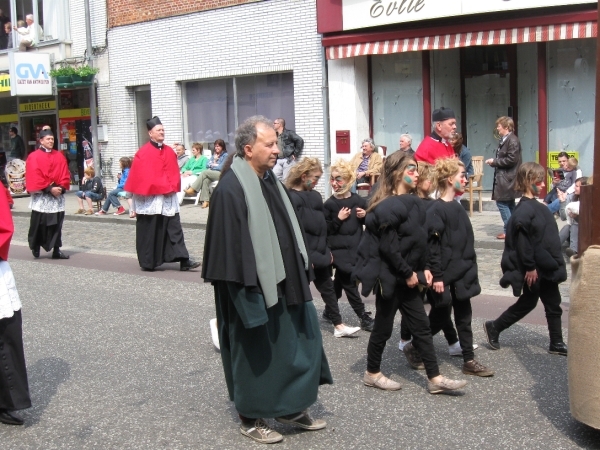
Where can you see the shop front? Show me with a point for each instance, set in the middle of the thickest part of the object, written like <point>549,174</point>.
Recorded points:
<point>538,68</point>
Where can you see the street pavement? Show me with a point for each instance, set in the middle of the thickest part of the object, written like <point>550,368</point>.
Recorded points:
<point>120,358</point>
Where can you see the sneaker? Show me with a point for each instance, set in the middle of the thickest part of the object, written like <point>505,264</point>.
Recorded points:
<point>214,333</point>
<point>456,350</point>
<point>381,382</point>
<point>260,432</point>
<point>303,420</point>
<point>476,368</point>
<point>346,331</point>
<point>445,385</point>
<point>120,210</point>
<point>367,322</point>
<point>558,348</point>
<point>402,344</point>
<point>491,334</point>
<point>101,213</point>
<point>413,357</point>
<point>89,212</point>
<point>79,211</point>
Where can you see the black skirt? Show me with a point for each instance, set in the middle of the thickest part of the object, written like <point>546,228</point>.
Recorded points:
<point>45,230</point>
<point>158,240</point>
<point>14,387</point>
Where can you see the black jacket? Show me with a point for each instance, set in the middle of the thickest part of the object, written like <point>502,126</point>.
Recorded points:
<point>506,164</point>
<point>393,246</point>
<point>343,237</point>
<point>93,184</point>
<point>309,209</point>
<point>290,144</point>
<point>452,257</point>
<point>531,242</point>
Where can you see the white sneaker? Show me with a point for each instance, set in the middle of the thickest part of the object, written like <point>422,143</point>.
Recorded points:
<point>402,343</point>
<point>456,350</point>
<point>346,331</point>
<point>214,332</point>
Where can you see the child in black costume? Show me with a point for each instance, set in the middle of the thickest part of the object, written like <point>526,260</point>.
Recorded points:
<point>301,180</point>
<point>532,262</point>
<point>345,216</point>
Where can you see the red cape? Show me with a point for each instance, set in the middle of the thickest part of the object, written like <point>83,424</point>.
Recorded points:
<point>46,168</point>
<point>7,227</point>
<point>430,150</point>
<point>154,172</point>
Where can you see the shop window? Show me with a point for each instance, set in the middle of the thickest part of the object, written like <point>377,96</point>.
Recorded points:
<point>143,112</point>
<point>51,17</point>
<point>212,104</point>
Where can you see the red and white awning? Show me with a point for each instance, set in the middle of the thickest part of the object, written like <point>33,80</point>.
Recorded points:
<point>519,35</point>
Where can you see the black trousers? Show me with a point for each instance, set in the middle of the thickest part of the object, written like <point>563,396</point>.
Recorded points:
<point>448,330</point>
<point>343,281</point>
<point>549,294</point>
<point>14,387</point>
<point>440,318</point>
<point>45,230</point>
<point>159,239</point>
<point>324,285</point>
<point>409,303</point>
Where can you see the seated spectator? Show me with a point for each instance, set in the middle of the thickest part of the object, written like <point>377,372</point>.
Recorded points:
<point>213,173</point>
<point>182,158</point>
<point>112,198</point>
<point>564,183</point>
<point>31,35</point>
<point>9,34</point>
<point>190,171</point>
<point>570,232</point>
<point>91,190</point>
<point>366,163</point>
<point>462,152</point>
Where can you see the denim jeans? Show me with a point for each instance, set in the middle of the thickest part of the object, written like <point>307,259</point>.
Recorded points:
<point>89,194</point>
<point>112,199</point>
<point>506,209</point>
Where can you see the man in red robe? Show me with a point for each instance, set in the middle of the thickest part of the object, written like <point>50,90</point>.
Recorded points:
<point>47,178</point>
<point>435,146</point>
<point>154,180</point>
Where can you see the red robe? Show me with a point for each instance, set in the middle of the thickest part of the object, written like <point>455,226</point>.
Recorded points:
<point>432,149</point>
<point>45,169</point>
<point>7,227</point>
<point>154,171</point>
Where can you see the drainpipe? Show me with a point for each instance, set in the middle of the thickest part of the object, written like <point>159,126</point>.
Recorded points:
<point>93,113</point>
<point>326,135</point>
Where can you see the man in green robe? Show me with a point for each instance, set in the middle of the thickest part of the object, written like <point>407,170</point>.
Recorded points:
<point>254,255</point>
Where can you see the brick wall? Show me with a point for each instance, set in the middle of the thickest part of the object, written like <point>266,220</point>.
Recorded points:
<point>127,12</point>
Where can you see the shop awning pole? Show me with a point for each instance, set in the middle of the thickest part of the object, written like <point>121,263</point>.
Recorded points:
<point>93,112</point>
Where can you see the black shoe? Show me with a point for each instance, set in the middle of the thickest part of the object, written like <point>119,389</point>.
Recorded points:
<point>492,334</point>
<point>558,348</point>
<point>8,419</point>
<point>59,255</point>
<point>36,253</point>
<point>188,264</point>
<point>367,322</point>
<point>147,269</point>
<point>413,357</point>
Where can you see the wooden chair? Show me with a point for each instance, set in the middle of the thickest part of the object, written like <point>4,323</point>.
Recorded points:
<point>476,183</point>
<point>99,202</point>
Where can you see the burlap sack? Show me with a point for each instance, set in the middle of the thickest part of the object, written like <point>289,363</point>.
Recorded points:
<point>584,338</point>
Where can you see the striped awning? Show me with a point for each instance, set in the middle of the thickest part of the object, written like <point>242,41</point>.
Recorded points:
<point>520,35</point>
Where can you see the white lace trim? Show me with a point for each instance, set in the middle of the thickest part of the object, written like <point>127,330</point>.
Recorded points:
<point>9,297</point>
<point>46,203</point>
<point>166,205</point>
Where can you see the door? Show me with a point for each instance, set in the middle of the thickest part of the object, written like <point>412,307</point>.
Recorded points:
<point>489,91</point>
<point>32,125</point>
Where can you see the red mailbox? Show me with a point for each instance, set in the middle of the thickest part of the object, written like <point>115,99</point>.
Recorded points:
<point>342,141</point>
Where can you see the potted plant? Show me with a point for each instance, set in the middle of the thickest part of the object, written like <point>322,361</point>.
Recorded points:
<point>84,75</point>
<point>63,76</point>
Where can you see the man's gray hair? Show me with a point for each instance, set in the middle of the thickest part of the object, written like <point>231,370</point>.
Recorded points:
<point>246,133</point>
<point>29,16</point>
<point>407,136</point>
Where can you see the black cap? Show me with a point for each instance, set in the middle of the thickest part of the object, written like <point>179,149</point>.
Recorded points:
<point>45,133</point>
<point>153,122</point>
<point>439,115</point>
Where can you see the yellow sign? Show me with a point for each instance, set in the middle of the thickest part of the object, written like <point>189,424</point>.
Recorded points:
<point>69,113</point>
<point>4,82</point>
<point>37,106</point>
<point>9,118</point>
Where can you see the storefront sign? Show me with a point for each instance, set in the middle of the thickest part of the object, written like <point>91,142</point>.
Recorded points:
<point>29,73</point>
<point>4,82</point>
<point>369,13</point>
<point>73,113</point>
<point>37,106</point>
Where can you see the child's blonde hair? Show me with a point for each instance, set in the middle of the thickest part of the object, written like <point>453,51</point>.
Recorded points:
<point>90,171</point>
<point>573,163</point>
<point>443,170</point>
<point>529,173</point>
<point>344,168</point>
<point>425,171</point>
<point>304,166</point>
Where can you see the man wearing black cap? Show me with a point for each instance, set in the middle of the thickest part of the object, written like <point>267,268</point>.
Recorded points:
<point>154,182</point>
<point>47,178</point>
<point>435,146</point>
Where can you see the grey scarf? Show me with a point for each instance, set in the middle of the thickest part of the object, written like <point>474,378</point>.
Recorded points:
<point>267,253</point>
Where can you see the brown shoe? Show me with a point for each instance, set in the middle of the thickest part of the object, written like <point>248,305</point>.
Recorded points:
<point>476,368</point>
<point>501,236</point>
<point>89,212</point>
<point>190,192</point>
<point>413,357</point>
<point>381,382</point>
<point>80,211</point>
<point>205,205</point>
<point>445,385</point>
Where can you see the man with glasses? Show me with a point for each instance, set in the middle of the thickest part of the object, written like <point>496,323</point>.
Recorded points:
<point>290,147</point>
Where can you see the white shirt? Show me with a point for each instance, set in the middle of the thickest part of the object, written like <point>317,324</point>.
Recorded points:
<point>166,205</point>
<point>9,297</point>
<point>28,34</point>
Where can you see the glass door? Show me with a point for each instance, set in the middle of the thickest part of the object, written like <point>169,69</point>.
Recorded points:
<point>32,125</point>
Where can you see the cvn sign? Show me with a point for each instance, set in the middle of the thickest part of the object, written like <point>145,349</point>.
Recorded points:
<point>26,70</point>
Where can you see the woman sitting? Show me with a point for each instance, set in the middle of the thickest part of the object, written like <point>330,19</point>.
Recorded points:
<point>213,173</point>
<point>112,198</point>
<point>190,171</point>
<point>91,190</point>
